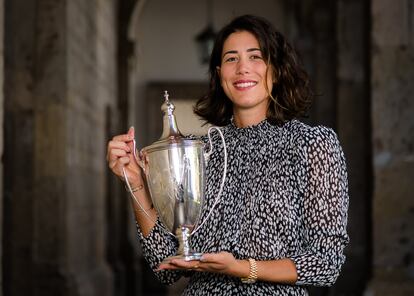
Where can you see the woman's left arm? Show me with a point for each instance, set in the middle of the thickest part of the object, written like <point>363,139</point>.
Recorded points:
<point>325,209</point>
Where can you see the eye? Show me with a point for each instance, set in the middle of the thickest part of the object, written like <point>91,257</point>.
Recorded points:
<point>230,59</point>
<point>256,57</point>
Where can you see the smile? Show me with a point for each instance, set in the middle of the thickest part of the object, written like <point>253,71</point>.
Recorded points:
<point>244,84</point>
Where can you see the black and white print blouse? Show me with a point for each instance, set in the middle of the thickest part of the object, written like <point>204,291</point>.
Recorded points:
<point>285,196</point>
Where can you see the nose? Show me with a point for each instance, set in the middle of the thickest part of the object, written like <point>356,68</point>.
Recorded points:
<point>242,67</point>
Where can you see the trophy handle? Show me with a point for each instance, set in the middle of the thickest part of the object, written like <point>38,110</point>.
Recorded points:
<point>141,163</point>
<point>223,179</point>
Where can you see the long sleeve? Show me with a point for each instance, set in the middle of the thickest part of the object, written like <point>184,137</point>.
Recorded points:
<point>325,206</point>
<point>157,246</point>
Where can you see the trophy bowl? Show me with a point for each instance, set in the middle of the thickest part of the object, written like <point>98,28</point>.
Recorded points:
<point>174,167</point>
<point>175,176</point>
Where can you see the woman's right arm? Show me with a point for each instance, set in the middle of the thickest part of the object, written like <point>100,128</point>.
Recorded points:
<point>156,243</point>
<point>120,156</point>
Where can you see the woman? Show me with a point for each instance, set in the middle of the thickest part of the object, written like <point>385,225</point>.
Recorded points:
<point>281,224</point>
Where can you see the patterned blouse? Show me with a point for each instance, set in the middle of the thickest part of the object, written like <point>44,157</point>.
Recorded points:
<point>285,196</point>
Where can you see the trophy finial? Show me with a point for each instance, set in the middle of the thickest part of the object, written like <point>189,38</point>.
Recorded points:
<point>170,128</point>
<point>167,107</point>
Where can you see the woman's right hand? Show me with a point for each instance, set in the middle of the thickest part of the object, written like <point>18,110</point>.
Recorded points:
<point>120,155</point>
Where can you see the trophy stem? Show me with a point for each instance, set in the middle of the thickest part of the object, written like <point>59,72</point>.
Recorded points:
<point>183,235</point>
<point>184,250</point>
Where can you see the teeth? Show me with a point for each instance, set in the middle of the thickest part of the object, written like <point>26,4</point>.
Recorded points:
<point>245,84</point>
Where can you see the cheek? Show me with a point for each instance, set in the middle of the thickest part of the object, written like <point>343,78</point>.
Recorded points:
<point>223,79</point>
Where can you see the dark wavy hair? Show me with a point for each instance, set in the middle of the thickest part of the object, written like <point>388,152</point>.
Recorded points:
<point>291,93</point>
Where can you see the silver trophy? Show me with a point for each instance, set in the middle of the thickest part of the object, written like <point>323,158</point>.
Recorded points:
<point>174,167</point>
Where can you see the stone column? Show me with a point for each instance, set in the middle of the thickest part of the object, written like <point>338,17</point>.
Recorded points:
<point>392,67</point>
<point>19,146</point>
<point>61,65</point>
<point>1,139</point>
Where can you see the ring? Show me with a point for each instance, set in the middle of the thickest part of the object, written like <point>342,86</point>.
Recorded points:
<point>196,266</point>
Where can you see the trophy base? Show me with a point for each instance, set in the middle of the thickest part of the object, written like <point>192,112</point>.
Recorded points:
<point>190,257</point>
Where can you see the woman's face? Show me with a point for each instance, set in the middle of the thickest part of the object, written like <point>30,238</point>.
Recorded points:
<point>244,75</point>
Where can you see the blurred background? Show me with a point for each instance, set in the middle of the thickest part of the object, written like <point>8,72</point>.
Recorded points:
<point>74,73</point>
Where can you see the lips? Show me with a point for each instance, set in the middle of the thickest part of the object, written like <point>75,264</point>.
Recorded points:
<point>244,84</point>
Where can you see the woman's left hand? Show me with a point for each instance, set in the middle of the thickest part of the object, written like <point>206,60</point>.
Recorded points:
<point>223,262</point>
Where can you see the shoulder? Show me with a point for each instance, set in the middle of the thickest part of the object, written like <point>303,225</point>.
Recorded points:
<point>315,140</point>
<point>312,133</point>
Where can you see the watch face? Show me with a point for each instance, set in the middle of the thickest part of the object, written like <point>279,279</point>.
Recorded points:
<point>248,281</point>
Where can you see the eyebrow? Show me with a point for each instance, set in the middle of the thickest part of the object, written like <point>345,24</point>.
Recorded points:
<point>248,50</point>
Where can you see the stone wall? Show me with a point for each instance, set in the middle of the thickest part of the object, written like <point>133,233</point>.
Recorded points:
<point>392,67</point>
<point>61,82</point>
<point>91,89</point>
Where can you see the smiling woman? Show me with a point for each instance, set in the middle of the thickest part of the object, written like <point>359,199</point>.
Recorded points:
<point>281,225</point>
<point>246,78</point>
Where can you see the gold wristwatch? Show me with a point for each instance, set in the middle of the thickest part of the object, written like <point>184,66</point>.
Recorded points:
<point>252,278</point>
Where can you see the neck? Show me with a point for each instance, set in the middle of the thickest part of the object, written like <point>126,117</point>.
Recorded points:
<point>245,119</point>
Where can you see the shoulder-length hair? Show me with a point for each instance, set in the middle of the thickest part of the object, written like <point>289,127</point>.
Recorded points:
<point>291,93</point>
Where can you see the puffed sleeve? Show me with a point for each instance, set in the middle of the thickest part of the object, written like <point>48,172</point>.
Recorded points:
<point>325,208</point>
<point>155,247</point>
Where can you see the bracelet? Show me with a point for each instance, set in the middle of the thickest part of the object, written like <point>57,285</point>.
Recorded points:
<point>139,187</point>
<point>143,210</point>
<point>252,278</point>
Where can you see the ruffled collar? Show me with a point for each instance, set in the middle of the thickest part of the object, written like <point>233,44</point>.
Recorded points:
<point>256,129</point>
<point>262,130</point>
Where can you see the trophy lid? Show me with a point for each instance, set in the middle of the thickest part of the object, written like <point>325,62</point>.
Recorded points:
<point>171,135</point>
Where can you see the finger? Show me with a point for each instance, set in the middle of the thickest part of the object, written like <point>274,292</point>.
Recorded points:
<point>118,145</point>
<point>208,258</point>
<point>116,153</point>
<point>131,132</point>
<point>177,264</point>
<point>124,160</point>
<point>167,267</point>
<point>112,145</point>
<point>130,145</point>
<point>182,264</point>
<point>123,138</point>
